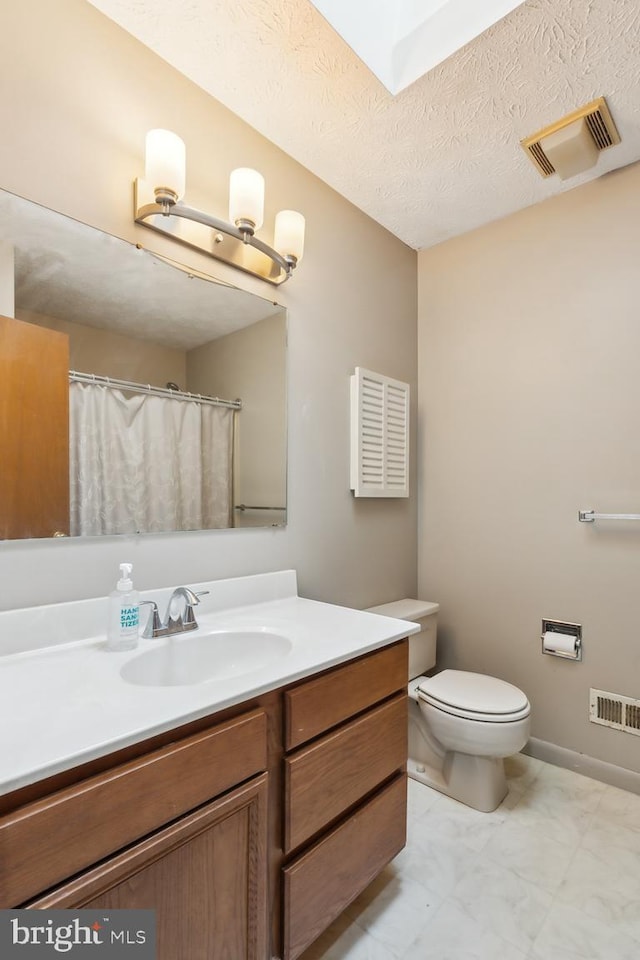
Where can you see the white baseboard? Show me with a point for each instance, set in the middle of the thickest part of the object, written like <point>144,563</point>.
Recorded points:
<point>580,763</point>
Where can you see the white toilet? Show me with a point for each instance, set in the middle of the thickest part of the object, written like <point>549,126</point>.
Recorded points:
<point>461,725</point>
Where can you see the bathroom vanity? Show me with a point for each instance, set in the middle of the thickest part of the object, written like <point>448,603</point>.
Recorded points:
<point>249,827</point>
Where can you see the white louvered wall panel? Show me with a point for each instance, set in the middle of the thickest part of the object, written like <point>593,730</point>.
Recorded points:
<point>379,435</point>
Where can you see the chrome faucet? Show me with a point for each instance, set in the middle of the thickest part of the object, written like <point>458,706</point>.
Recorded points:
<point>180,623</point>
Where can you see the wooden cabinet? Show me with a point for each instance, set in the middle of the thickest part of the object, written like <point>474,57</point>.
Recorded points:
<point>320,883</point>
<point>205,876</point>
<point>34,431</point>
<point>329,777</point>
<point>247,832</point>
<point>315,706</point>
<point>44,842</point>
<point>149,835</point>
<point>345,790</point>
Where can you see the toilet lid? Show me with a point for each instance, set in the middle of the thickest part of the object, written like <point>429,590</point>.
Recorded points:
<point>475,696</point>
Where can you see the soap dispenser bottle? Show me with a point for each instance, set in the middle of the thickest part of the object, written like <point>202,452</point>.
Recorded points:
<point>124,613</point>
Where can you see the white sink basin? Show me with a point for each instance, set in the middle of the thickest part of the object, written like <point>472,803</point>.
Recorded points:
<point>189,659</point>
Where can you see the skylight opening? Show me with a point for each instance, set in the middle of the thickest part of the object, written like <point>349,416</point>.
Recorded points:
<point>401,40</point>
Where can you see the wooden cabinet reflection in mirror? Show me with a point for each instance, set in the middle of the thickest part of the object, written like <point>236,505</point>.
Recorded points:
<point>116,449</point>
<point>34,424</point>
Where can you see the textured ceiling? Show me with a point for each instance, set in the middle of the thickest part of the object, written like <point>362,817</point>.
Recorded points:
<point>65,269</point>
<point>443,156</point>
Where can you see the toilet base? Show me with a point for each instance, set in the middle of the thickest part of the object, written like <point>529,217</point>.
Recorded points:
<point>480,782</point>
<point>466,774</point>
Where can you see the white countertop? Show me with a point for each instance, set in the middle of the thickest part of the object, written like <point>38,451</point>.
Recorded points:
<point>63,701</point>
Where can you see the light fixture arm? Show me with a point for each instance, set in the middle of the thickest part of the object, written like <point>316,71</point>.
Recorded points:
<point>276,269</point>
<point>247,236</point>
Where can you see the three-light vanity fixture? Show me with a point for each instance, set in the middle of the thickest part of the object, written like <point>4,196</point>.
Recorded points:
<point>158,205</point>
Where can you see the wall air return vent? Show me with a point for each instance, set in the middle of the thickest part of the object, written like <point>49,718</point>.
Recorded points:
<point>379,435</point>
<point>613,710</point>
<point>599,125</point>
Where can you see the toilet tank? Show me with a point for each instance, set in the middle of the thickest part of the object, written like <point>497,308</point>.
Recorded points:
<point>422,646</point>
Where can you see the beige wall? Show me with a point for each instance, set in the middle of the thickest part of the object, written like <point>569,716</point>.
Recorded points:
<point>80,96</point>
<point>251,364</point>
<point>529,338</point>
<point>108,354</point>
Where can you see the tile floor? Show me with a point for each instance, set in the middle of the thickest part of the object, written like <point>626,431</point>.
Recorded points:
<point>552,874</point>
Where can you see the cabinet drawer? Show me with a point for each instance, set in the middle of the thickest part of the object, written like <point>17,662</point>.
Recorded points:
<point>323,780</point>
<point>46,841</point>
<point>318,705</point>
<point>351,855</point>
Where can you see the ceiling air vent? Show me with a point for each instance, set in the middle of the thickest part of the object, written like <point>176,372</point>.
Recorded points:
<point>599,123</point>
<point>613,710</point>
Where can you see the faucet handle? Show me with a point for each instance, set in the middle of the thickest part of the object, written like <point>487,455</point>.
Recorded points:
<point>154,627</point>
<point>191,599</point>
<point>189,617</point>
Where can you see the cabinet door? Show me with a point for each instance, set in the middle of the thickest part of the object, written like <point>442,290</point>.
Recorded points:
<point>34,431</point>
<point>204,875</point>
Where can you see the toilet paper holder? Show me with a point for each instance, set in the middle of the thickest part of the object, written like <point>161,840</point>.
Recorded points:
<point>562,639</point>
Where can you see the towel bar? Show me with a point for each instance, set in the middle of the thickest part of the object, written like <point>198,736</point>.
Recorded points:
<point>588,516</point>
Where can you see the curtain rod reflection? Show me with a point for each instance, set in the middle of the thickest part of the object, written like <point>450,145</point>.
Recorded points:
<point>76,377</point>
<point>245,506</point>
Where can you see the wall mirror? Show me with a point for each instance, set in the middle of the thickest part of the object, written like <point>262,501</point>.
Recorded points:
<point>135,395</point>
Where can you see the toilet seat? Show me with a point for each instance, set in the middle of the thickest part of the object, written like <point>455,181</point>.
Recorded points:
<point>474,696</point>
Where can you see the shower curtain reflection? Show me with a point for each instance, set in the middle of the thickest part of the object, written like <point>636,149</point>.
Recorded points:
<point>146,464</point>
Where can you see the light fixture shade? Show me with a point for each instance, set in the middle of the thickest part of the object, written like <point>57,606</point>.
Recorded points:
<point>165,165</point>
<point>289,234</point>
<point>571,150</point>
<point>246,197</point>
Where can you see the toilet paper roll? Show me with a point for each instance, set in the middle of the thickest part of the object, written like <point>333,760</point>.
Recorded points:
<point>562,643</point>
